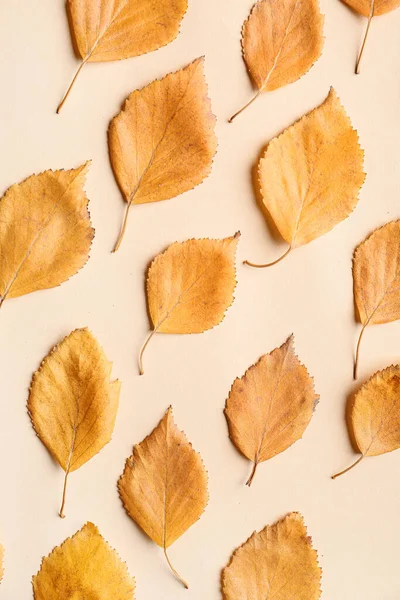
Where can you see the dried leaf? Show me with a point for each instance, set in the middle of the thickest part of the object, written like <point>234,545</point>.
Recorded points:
<point>311,174</point>
<point>370,9</point>
<point>376,279</point>
<point>72,402</point>
<point>190,286</point>
<point>83,567</point>
<point>279,562</point>
<point>162,143</point>
<point>281,40</point>
<point>45,232</point>
<point>116,29</point>
<point>270,407</point>
<point>375,415</point>
<point>164,485</point>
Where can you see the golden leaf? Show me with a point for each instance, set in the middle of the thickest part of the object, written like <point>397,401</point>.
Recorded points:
<point>164,485</point>
<point>376,279</point>
<point>270,407</point>
<point>370,9</point>
<point>45,232</point>
<point>116,29</point>
<point>374,417</point>
<point>190,286</point>
<point>84,567</point>
<point>162,143</point>
<point>311,174</point>
<point>279,562</point>
<point>72,402</point>
<point>281,40</point>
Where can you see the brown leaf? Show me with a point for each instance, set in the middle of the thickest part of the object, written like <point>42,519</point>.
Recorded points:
<point>370,9</point>
<point>190,286</point>
<point>164,485</point>
<point>83,567</point>
<point>311,174</point>
<point>72,402</point>
<point>162,143</point>
<point>376,279</point>
<point>116,29</point>
<point>45,232</point>
<point>270,407</point>
<point>281,40</point>
<point>279,562</point>
<point>375,415</point>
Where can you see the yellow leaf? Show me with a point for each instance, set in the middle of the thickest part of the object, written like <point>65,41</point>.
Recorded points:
<point>370,9</point>
<point>116,29</point>
<point>279,562</point>
<point>72,402</point>
<point>45,232</point>
<point>162,143</point>
<point>281,40</point>
<point>311,174</point>
<point>270,407</point>
<point>190,286</point>
<point>164,485</point>
<point>84,567</point>
<point>376,279</point>
<point>374,417</point>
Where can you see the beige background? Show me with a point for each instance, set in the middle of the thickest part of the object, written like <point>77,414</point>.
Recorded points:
<point>354,521</point>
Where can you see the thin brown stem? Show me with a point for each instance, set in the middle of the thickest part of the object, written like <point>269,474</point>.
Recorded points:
<point>141,370</point>
<point>123,228</point>
<point>245,106</point>
<point>250,264</point>
<point>83,63</point>
<point>179,578</point>
<point>62,515</point>
<point>355,371</point>
<point>371,15</point>
<point>250,479</point>
<point>348,468</point>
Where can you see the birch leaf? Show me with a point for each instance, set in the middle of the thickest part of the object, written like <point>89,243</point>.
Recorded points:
<point>162,143</point>
<point>116,29</point>
<point>164,485</point>
<point>190,286</point>
<point>45,232</point>
<point>72,402</point>
<point>279,562</point>
<point>376,279</point>
<point>281,40</point>
<point>370,9</point>
<point>270,407</point>
<point>83,567</point>
<point>375,415</point>
<point>311,174</point>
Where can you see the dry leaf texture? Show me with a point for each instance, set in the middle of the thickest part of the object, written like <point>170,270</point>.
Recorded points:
<point>84,567</point>
<point>279,562</point>
<point>378,7</point>
<point>45,232</point>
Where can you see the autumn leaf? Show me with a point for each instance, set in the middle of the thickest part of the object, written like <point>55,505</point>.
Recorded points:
<point>270,407</point>
<point>376,279</point>
<point>281,40</point>
<point>375,415</point>
<point>83,567</point>
<point>162,143</point>
<point>116,29</point>
<point>45,232</point>
<point>72,402</point>
<point>190,286</point>
<point>164,485</point>
<point>311,174</point>
<point>370,9</point>
<point>279,562</point>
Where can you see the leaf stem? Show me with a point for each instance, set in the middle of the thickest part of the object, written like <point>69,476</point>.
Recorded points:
<point>355,371</point>
<point>179,578</point>
<point>141,370</point>
<point>371,15</point>
<point>123,228</point>
<point>250,479</point>
<point>71,85</point>
<point>250,264</point>
<point>348,468</point>
<point>61,513</point>
<point>245,106</point>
